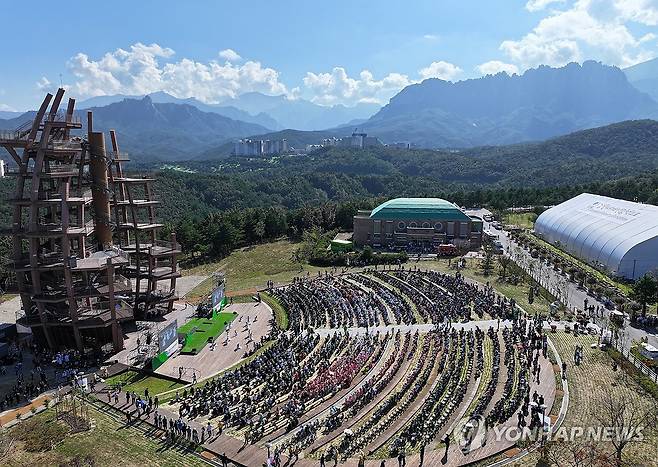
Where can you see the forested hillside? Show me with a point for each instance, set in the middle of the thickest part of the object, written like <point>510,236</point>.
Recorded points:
<point>585,157</point>
<point>217,205</point>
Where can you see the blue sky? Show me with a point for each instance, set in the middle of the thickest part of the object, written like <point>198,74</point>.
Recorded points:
<point>329,52</point>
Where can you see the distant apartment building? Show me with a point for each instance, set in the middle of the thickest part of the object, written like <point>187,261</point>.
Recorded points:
<point>259,147</point>
<point>331,142</point>
<point>360,141</point>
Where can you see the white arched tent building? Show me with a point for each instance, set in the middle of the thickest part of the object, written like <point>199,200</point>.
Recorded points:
<point>616,235</point>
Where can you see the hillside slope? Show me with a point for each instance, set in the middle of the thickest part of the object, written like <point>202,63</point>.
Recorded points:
<point>644,76</point>
<point>160,131</point>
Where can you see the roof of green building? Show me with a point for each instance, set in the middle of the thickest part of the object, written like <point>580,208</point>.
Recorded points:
<point>418,208</point>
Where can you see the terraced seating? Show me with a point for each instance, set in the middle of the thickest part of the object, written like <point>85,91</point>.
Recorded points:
<point>517,387</point>
<point>389,410</point>
<point>445,396</point>
<point>490,372</point>
<point>393,300</point>
<point>375,391</point>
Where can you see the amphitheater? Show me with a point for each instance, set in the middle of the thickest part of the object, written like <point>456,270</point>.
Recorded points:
<point>378,363</point>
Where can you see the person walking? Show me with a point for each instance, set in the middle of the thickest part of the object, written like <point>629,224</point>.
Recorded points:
<point>422,453</point>
<point>402,459</point>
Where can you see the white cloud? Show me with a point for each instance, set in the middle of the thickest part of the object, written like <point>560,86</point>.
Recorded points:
<point>431,37</point>
<point>44,84</point>
<point>442,70</point>
<point>640,11</point>
<point>7,108</point>
<point>596,29</point>
<point>337,87</point>
<point>647,38</point>
<point>145,68</point>
<point>538,5</point>
<point>495,66</point>
<point>230,55</point>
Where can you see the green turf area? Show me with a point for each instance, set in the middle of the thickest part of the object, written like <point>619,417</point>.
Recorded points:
<point>249,268</point>
<point>202,329</point>
<point>525,220</point>
<point>6,297</point>
<point>108,443</point>
<point>280,313</point>
<point>134,381</point>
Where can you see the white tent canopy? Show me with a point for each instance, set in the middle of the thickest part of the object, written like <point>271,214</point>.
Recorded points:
<point>620,236</point>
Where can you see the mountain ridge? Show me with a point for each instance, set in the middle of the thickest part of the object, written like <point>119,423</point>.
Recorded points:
<point>502,109</point>
<point>160,131</point>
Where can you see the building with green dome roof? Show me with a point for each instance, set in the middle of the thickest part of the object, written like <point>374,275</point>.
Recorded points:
<point>417,223</point>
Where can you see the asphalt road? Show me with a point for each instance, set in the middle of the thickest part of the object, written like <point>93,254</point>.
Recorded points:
<point>566,291</point>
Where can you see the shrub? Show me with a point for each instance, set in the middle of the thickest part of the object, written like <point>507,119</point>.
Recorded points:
<point>640,378</point>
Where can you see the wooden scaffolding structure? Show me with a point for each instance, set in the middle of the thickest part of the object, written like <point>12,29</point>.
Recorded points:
<point>86,251</point>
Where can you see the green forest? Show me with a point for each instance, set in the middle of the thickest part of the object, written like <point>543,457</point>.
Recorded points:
<point>216,206</point>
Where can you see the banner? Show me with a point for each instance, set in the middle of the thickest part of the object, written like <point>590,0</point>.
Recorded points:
<point>217,297</point>
<point>168,337</point>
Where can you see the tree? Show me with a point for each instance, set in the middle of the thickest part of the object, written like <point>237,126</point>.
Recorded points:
<point>225,238</point>
<point>574,453</point>
<point>625,413</point>
<point>645,292</point>
<point>345,213</point>
<point>487,263</point>
<point>276,224</point>
<point>504,262</point>
<point>367,254</point>
<point>188,235</point>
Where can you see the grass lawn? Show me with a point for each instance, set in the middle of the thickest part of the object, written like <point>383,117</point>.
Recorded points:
<point>8,296</point>
<point>203,329</point>
<point>525,220</point>
<point>134,381</point>
<point>250,268</point>
<point>108,443</point>
<point>280,313</point>
<point>585,384</point>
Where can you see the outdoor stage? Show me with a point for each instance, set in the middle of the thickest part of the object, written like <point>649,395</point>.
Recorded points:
<point>208,361</point>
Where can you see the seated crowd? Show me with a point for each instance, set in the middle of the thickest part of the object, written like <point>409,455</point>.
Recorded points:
<point>337,394</point>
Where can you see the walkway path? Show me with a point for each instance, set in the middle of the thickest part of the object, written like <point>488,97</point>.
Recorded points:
<point>483,325</point>
<point>567,291</point>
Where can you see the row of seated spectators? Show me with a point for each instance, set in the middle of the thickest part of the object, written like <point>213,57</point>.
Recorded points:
<point>517,386</point>
<point>388,411</point>
<point>455,367</point>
